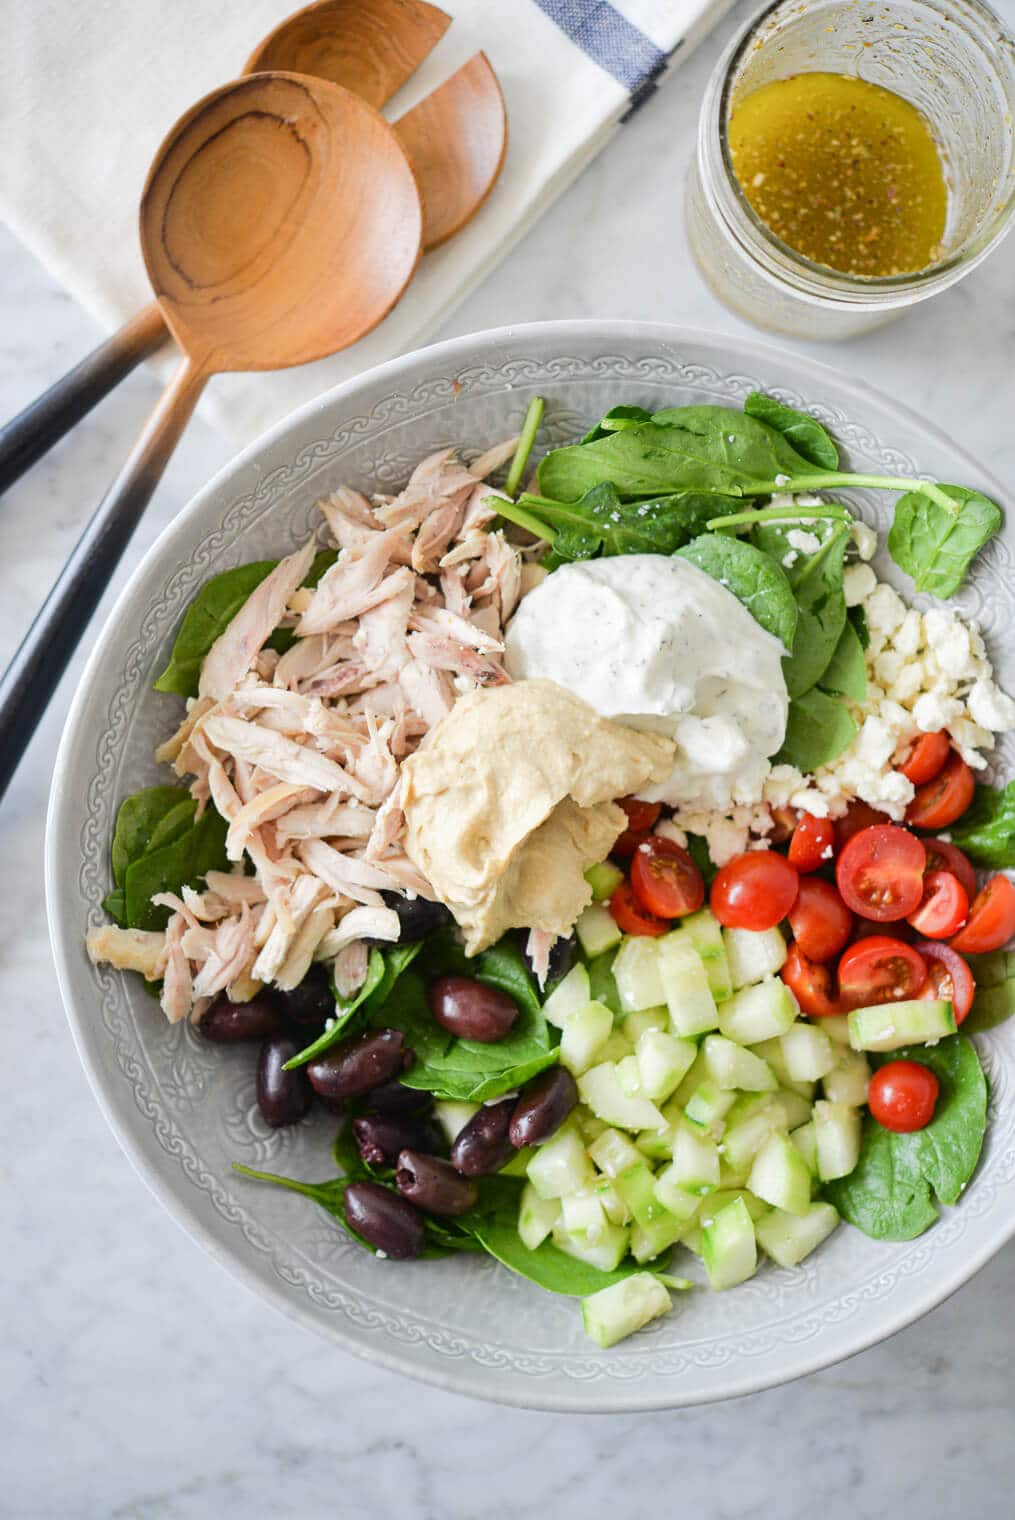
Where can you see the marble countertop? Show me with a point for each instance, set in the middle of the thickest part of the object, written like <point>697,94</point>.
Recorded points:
<point>137,1379</point>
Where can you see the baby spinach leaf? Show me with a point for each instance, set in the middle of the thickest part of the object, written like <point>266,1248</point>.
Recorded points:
<point>697,848</point>
<point>601,523</point>
<point>752,576</point>
<point>818,729</point>
<point>383,970</point>
<point>816,580</point>
<point>180,863</point>
<point>137,819</point>
<point>861,628</point>
<point>935,544</point>
<point>994,1000</point>
<point>986,830</point>
<point>890,1194</point>
<point>503,966</point>
<point>846,673</point>
<point>615,420</point>
<point>526,440</point>
<point>805,433</point>
<point>115,904</point>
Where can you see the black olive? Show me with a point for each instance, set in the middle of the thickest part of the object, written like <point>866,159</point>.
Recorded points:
<point>562,957</point>
<point>418,917</point>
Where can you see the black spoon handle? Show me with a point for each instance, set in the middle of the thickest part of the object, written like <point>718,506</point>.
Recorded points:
<point>36,668</point>
<point>45,420</point>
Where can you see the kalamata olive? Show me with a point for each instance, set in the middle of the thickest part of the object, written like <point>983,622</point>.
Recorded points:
<point>395,1098</point>
<point>282,1096</point>
<point>483,1145</point>
<point>562,957</point>
<point>389,1223</point>
<point>543,1107</point>
<point>229,1023</point>
<point>433,1184</point>
<point>380,1137</point>
<point>471,1009</point>
<point>356,1066</point>
<point>311,1003</point>
<point>417,917</point>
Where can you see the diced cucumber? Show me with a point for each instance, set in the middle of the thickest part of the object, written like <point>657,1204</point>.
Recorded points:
<point>808,1051</point>
<point>536,1217</point>
<point>624,1307</point>
<point>629,1076</point>
<point>708,1106</point>
<point>615,1048</point>
<point>849,1078</point>
<point>704,931</point>
<point>634,1025</point>
<point>697,1074</point>
<point>636,973</point>
<point>650,1240</point>
<point>788,1239</point>
<point>589,1127</point>
<point>675,1198</point>
<point>728,1246</point>
<point>604,880</point>
<point>759,1012</point>
<point>583,1037</point>
<point>695,1161</point>
<point>780,1176</point>
<point>837,1131</point>
<point>720,1200</point>
<point>685,984</point>
<point>582,1215</point>
<point>732,1178</point>
<point>731,1066</point>
<point>604,988</point>
<point>614,1207</point>
<point>889,1026</point>
<point>597,930</point>
<point>570,995</point>
<point>560,1166</point>
<point>836,1026</point>
<point>657,1144</point>
<point>753,955</point>
<point>518,1166</point>
<point>663,1061</point>
<point>636,1186</point>
<point>744,1139</point>
<point>771,1051</point>
<point>805,1138</point>
<point>796,1110</point>
<point>691,1237</point>
<point>600,1088</point>
<point>453,1117</point>
<point>613,1153</point>
<point>606,1253</point>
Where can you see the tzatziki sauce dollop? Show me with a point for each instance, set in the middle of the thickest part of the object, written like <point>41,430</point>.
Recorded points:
<point>656,643</point>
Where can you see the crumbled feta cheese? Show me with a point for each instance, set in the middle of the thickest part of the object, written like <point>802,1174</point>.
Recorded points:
<point>884,607</point>
<point>859,582</point>
<point>909,634</point>
<point>991,707</point>
<point>888,667</point>
<point>865,539</point>
<point>667,829</point>
<point>810,800</point>
<point>782,781</point>
<point>875,743</point>
<point>933,711</point>
<point>909,682</point>
<point>806,543</point>
<point>790,559</point>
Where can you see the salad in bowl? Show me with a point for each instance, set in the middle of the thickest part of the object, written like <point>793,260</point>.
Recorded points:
<point>610,859</point>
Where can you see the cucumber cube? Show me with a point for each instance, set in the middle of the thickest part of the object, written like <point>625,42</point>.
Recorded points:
<point>836,1026</point>
<point>889,1026</point>
<point>657,1144</point>
<point>728,1246</point>
<point>759,1012</point>
<point>589,1127</point>
<point>788,1239</point>
<point>604,880</point>
<point>624,1307</point>
<point>663,1061</point>
<point>708,1106</point>
<point>560,1166</point>
<point>849,1078</point>
<point>731,1066</point>
<point>695,1161</point>
<point>636,1186</point>
<point>635,1024</point>
<point>780,1176</point>
<point>597,930</point>
<point>601,1089</point>
<point>629,1076</point>
<point>583,1037</point>
<point>696,1075</point>
<point>613,1153</point>
<point>796,1110</point>
<point>536,1217</point>
<point>837,1131</point>
<point>808,1051</point>
<point>805,1138</point>
<point>771,1051</point>
<point>568,997</point>
<point>453,1117</point>
<point>606,1253</point>
<point>651,1240</point>
<point>754,1206</point>
<point>636,973</point>
<point>675,1198</point>
<point>745,1137</point>
<point>604,988</point>
<point>615,1048</point>
<point>685,983</point>
<point>614,1207</point>
<point>753,955</point>
<point>582,1215</point>
<point>704,931</point>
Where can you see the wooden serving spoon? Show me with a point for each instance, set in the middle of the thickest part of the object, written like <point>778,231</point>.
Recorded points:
<point>456,139</point>
<point>281,221</point>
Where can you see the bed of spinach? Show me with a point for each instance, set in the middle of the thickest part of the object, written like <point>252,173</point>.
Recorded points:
<point>384,967</point>
<point>160,846</point>
<point>818,728</point>
<point>811,441</point>
<point>986,830</point>
<point>891,1193</point>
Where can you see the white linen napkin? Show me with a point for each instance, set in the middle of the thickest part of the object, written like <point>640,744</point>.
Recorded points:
<point>88,91</point>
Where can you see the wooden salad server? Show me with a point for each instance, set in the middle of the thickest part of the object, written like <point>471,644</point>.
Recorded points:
<point>281,220</point>
<point>456,139</point>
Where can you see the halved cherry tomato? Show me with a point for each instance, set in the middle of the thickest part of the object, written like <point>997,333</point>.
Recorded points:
<point>942,855</point>
<point>880,969</point>
<point>880,872</point>
<point>754,891</point>
<point>927,758</point>
<point>859,815</point>
<point>943,907</point>
<point>813,843</point>
<point>811,984</point>
<point>665,879</point>
<point>948,977</point>
<point>630,916</point>
<point>820,920</point>
<point>641,819</point>
<point>902,1096</point>
<point>939,802</point>
<point>991,921</point>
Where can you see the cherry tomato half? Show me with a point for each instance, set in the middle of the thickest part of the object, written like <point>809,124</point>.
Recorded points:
<point>629,915</point>
<point>927,758</point>
<point>880,969</point>
<point>942,855</point>
<point>813,843</point>
<point>665,879</point>
<point>820,920</point>
<point>991,921</point>
<point>939,802</point>
<point>948,977</point>
<point>943,907</point>
<point>811,984</point>
<point>902,1096</point>
<point>880,872</point>
<point>754,891</point>
<point>859,815</point>
<point>641,819</point>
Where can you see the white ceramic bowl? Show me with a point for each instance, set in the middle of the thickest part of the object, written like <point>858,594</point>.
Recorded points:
<point>184,1111</point>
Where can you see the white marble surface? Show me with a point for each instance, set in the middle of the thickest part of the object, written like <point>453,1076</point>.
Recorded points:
<point>136,1379</point>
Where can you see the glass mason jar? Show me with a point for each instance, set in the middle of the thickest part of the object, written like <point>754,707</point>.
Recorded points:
<point>953,60</point>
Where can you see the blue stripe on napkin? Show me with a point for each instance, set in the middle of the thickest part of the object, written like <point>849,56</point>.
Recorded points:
<point>611,41</point>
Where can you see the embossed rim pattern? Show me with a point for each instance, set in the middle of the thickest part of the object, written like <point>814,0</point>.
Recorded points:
<point>469,1327</point>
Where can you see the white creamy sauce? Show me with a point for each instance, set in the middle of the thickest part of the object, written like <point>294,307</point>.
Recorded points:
<point>660,645</point>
